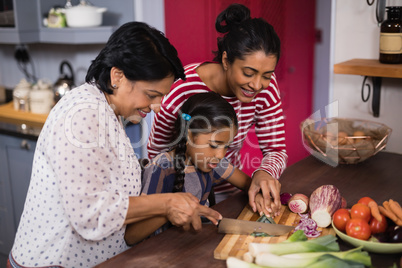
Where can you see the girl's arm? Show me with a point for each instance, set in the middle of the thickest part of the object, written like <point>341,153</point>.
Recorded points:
<point>138,231</point>
<point>240,179</point>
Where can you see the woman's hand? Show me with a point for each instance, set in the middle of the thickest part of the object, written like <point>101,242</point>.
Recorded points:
<point>270,188</point>
<point>184,209</point>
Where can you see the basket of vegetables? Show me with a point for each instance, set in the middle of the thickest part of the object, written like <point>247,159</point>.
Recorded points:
<point>342,140</point>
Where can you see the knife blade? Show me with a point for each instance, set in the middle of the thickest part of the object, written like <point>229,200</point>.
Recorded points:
<point>234,226</point>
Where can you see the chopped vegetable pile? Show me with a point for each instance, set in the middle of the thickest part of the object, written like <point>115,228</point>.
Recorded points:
<point>264,219</point>
<point>308,226</point>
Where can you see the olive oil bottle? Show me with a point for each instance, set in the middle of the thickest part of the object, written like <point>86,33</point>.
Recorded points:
<point>391,36</point>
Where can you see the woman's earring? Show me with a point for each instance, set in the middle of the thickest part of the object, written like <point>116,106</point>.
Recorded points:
<point>114,86</point>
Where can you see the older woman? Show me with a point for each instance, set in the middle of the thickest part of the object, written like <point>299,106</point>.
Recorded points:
<point>86,180</point>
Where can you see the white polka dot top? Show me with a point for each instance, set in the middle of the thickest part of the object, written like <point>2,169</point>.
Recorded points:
<point>84,170</point>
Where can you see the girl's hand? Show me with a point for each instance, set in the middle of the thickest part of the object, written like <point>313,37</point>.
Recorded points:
<point>259,203</point>
<point>269,186</point>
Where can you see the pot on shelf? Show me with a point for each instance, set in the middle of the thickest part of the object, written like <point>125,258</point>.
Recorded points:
<point>84,15</point>
<point>65,82</point>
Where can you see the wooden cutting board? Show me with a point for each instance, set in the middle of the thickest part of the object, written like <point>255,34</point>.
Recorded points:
<point>236,245</point>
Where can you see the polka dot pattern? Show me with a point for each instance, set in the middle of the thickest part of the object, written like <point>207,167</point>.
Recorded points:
<point>84,171</point>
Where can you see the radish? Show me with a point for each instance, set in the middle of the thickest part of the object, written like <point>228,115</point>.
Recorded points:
<point>324,201</point>
<point>298,203</point>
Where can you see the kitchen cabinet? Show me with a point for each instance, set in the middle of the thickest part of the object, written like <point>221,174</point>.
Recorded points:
<point>16,157</point>
<point>25,29</point>
<point>370,68</point>
<point>29,26</point>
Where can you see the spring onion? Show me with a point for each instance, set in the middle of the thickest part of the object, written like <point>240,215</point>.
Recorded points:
<point>320,244</point>
<point>354,256</point>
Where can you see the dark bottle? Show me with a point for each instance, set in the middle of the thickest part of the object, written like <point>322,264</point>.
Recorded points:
<point>391,36</point>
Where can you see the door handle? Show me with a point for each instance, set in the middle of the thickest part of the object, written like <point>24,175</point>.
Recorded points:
<point>25,145</point>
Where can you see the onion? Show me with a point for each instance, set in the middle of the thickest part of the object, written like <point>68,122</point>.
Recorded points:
<point>308,226</point>
<point>285,197</point>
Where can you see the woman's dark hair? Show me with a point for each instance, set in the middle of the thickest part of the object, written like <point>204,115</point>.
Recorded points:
<point>140,51</point>
<point>244,35</point>
<point>208,112</point>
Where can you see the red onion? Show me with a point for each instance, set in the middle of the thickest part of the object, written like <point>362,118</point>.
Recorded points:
<point>285,197</point>
<point>308,226</point>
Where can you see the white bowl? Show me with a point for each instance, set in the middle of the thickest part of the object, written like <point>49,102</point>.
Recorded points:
<point>84,16</point>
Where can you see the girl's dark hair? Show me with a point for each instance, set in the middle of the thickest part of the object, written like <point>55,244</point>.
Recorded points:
<point>209,112</point>
<point>244,35</point>
<point>140,51</point>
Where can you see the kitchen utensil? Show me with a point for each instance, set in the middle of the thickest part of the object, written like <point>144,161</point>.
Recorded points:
<point>84,15</point>
<point>21,96</point>
<point>236,245</point>
<point>234,226</point>
<point>64,83</point>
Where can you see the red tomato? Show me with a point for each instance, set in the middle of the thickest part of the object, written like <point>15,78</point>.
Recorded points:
<point>378,226</point>
<point>358,228</point>
<point>340,217</point>
<point>365,200</point>
<point>360,211</point>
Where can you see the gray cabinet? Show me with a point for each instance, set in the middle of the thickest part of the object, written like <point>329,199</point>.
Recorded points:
<point>25,29</point>
<point>16,157</point>
<point>29,27</point>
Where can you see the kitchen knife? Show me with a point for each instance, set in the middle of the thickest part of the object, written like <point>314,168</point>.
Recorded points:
<point>234,226</point>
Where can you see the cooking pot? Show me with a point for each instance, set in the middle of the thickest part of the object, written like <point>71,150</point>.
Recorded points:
<point>84,15</point>
<point>65,83</point>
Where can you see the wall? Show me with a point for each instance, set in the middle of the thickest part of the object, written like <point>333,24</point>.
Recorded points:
<point>357,36</point>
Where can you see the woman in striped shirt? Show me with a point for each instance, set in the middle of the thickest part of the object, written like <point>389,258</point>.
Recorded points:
<point>243,74</point>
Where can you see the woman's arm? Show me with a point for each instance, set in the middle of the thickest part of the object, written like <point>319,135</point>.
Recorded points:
<point>270,131</point>
<point>181,209</point>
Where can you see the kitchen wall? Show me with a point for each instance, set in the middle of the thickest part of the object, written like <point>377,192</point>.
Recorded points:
<point>357,36</point>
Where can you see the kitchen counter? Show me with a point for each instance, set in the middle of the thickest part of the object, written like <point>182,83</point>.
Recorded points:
<point>379,177</point>
<point>19,123</point>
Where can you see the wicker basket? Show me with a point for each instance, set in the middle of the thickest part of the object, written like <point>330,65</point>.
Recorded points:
<point>344,141</point>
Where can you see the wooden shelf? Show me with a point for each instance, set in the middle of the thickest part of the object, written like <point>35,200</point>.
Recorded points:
<point>375,70</point>
<point>9,115</point>
<point>368,67</point>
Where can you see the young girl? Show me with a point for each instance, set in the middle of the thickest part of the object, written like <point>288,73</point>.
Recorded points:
<point>203,131</point>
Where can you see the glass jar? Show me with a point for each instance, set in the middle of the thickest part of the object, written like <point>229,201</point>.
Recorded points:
<point>391,36</point>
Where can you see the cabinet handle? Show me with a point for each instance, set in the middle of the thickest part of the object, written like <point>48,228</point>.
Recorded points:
<point>25,145</point>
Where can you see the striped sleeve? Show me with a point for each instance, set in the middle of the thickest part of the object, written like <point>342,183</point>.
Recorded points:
<point>270,130</point>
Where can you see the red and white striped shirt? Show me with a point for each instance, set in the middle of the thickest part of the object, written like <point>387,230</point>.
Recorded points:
<point>264,111</point>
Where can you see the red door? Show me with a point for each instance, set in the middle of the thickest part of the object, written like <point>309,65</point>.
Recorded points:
<point>190,26</point>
